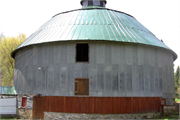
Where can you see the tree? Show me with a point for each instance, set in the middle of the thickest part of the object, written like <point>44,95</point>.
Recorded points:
<point>1,36</point>
<point>7,45</point>
<point>177,82</point>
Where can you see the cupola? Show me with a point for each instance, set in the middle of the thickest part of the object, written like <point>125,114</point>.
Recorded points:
<point>99,3</point>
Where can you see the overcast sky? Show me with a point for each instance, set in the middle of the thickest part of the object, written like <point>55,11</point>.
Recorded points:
<point>161,17</point>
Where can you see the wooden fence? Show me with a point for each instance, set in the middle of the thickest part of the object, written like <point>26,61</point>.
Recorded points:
<point>94,105</point>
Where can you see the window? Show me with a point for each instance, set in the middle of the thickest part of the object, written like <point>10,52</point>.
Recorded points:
<point>82,52</point>
<point>81,86</point>
<point>90,3</point>
<point>101,3</point>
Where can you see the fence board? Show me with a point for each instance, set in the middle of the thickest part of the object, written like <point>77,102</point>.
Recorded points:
<point>103,106</point>
<point>38,107</point>
<point>120,105</point>
<point>98,105</point>
<point>124,105</point>
<point>115,105</point>
<point>128,104</point>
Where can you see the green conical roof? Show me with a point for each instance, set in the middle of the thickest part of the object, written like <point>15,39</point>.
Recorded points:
<point>94,23</point>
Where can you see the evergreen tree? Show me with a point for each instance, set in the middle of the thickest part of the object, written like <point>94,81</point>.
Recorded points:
<point>177,82</point>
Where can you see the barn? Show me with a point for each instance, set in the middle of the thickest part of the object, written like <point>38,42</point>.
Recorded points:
<point>94,60</point>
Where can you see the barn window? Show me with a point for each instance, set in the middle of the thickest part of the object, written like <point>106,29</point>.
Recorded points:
<point>82,52</point>
<point>90,3</point>
<point>81,86</point>
<point>101,3</point>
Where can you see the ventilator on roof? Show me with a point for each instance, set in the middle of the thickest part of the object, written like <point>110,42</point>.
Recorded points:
<point>99,3</point>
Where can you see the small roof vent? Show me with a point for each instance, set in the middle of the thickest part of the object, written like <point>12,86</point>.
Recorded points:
<point>99,3</point>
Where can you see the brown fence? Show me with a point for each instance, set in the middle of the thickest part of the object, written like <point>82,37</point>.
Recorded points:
<point>94,105</point>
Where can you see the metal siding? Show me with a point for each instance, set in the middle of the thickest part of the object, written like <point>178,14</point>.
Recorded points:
<point>115,79</point>
<point>108,71</point>
<point>141,80</point>
<point>71,79</point>
<point>129,80</point>
<point>122,91</point>
<point>57,50</point>
<point>8,106</point>
<point>146,79</point>
<point>135,81</point>
<point>100,53</point>
<point>63,82</point>
<point>34,87</point>
<point>56,78</point>
<point>100,79</point>
<point>140,55</point>
<point>156,83</point>
<point>93,88</point>
<point>129,54</point>
<point>50,80</point>
<point>25,79</point>
<point>152,81</point>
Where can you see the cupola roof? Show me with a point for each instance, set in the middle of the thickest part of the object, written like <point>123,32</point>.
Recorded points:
<point>86,3</point>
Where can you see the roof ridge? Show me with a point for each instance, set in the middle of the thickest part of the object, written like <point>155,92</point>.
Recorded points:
<point>92,7</point>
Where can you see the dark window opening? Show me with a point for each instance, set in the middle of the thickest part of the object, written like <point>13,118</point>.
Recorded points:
<point>101,3</point>
<point>90,3</point>
<point>82,52</point>
<point>81,86</point>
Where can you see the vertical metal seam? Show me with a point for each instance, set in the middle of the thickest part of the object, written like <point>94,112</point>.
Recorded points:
<point>65,28</point>
<point>74,23</point>
<point>133,30</point>
<point>96,25</point>
<point>75,18</point>
<point>106,26</point>
<point>81,25</point>
<point>117,26</point>
<point>129,29</point>
<point>124,27</point>
<point>142,31</point>
<point>101,25</point>
<point>111,26</point>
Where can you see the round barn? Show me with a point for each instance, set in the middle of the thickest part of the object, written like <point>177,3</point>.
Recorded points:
<point>94,60</point>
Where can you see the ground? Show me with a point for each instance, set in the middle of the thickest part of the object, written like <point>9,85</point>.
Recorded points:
<point>27,114</point>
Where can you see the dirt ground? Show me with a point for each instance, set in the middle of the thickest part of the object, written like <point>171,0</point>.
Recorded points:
<point>24,113</point>
<point>27,113</point>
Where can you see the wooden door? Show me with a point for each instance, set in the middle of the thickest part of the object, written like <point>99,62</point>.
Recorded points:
<point>81,86</point>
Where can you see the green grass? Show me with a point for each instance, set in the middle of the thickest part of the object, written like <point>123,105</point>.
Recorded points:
<point>8,119</point>
<point>166,117</point>
<point>177,100</point>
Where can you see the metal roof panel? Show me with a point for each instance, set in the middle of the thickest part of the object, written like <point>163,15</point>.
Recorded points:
<point>93,24</point>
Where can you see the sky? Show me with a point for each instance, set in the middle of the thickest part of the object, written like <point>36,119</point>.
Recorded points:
<point>161,17</point>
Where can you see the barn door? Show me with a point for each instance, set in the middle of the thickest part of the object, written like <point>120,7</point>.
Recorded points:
<point>81,86</point>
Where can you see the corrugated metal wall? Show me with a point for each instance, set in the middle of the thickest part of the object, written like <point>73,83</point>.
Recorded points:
<point>94,105</point>
<point>115,69</point>
<point>8,106</point>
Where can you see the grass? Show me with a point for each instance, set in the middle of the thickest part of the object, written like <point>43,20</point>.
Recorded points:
<point>177,100</point>
<point>8,118</point>
<point>166,117</point>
